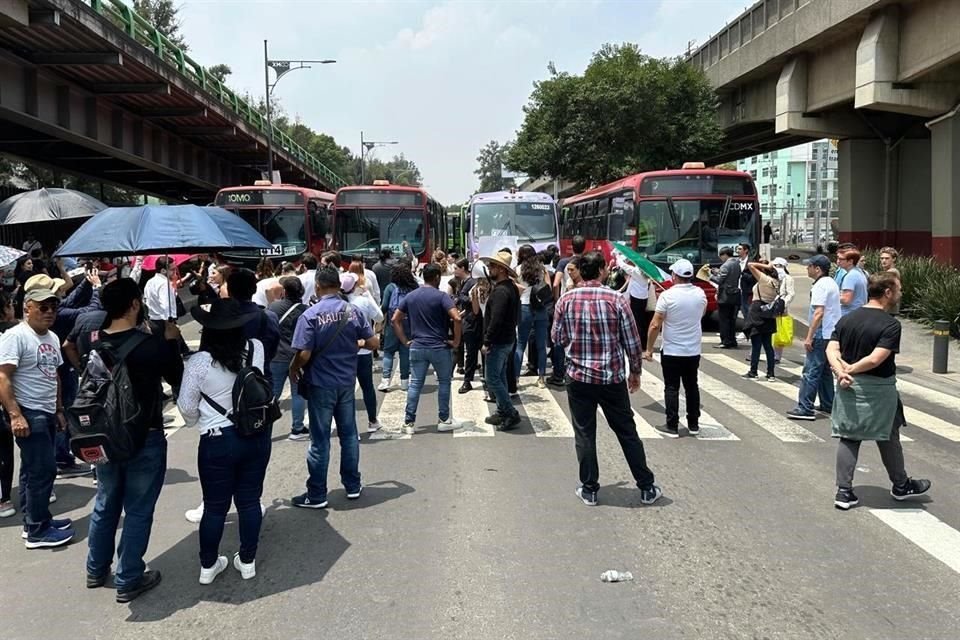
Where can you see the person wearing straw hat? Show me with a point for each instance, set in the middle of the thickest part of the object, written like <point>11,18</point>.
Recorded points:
<point>501,317</point>
<point>30,393</point>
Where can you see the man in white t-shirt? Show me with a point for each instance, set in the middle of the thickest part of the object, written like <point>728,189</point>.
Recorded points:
<point>307,278</point>
<point>680,309</point>
<point>30,393</point>
<point>824,315</point>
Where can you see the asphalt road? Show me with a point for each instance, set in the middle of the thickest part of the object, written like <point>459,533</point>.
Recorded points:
<point>479,534</point>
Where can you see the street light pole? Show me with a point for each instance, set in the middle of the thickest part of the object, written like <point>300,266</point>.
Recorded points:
<point>280,68</point>
<point>367,146</point>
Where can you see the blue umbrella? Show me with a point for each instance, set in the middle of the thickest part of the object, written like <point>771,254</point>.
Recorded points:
<point>159,229</point>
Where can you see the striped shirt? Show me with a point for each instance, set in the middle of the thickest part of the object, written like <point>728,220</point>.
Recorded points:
<point>596,328</point>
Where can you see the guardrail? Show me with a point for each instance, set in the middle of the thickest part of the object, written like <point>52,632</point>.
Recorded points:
<point>145,34</point>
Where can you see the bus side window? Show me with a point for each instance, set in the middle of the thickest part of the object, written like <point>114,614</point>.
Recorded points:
<point>318,218</point>
<point>603,213</point>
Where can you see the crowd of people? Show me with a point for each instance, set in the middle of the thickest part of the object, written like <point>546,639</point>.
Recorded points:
<point>320,326</point>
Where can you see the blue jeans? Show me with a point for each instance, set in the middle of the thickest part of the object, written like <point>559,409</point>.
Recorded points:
<point>130,487</point>
<point>231,467</point>
<point>537,321</point>
<point>559,357</point>
<point>38,469</point>
<point>817,379</point>
<point>365,378</point>
<point>281,374</point>
<point>420,361</point>
<point>495,373</point>
<point>404,363</point>
<point>326,405</point>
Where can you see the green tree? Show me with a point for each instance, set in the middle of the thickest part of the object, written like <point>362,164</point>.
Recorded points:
<point>220,71</point>
<point>163,15</point>
<point>628,112</point>
<point>399,170</point>
<point>490,167</point>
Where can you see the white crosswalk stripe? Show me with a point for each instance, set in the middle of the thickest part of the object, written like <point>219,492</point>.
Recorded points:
<point>710,427</point>
<point>926,531</point>
<point>546,417</point>
<point>390,414</point>
<point>471,409</point>
<point>761,415</point>
<point>915,417</point>
<point>782,387</point>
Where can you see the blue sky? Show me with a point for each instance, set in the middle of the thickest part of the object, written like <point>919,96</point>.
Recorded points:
<point>442,78</point>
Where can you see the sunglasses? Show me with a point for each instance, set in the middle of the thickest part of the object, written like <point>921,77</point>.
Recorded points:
<point>46,307</point>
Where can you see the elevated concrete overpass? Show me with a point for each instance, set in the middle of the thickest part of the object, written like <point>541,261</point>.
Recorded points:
<point>89,87</point>
<point>883,77</point>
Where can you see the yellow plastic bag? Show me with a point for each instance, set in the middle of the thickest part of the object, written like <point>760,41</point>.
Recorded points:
<point>784,335</point>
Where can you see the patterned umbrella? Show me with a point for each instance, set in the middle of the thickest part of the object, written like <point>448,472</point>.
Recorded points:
<point>9,255</point>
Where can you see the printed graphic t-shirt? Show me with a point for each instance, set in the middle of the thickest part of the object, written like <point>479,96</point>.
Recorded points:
<point>36,358</point>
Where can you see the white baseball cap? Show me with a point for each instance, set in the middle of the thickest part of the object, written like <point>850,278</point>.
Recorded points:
<point>682,268</point>
<point>779,262</point>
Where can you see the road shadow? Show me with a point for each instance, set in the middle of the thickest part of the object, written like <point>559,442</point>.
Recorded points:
<point>178,476</point>
<point>297,548</point>
<point>627,496</point>
<point>873,497</point>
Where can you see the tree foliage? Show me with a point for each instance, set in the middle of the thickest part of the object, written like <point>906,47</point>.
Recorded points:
<point>220,71</point>
<point>490,167</point>
<point>163,15</point>
<point>627,113</point>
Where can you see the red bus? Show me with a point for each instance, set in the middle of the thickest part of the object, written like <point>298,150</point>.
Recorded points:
<point>368,218</point>
<point>689,213</point>
<point>294,219</point>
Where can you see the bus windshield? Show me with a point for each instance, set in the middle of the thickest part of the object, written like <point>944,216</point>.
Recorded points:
<point>529,221</point>
<point>279,225</point>
<point>367,231</point>
<point>695,229</point>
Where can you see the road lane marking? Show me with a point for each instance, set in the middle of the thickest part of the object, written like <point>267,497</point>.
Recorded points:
<point>391,415</point>
<point>710,427</point>
<point>926,531</point>
<point>471,409</point>
<point>761,415</point>
<point>782,387</point>
<point>915,417</point>
<point>544,413</point>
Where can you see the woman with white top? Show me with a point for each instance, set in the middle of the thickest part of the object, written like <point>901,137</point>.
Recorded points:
<point>787,292</point>
<point>231,467</point>
<point>638,287</point>
<point>366,305</point>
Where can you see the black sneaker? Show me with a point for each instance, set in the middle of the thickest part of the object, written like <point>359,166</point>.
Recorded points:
<point>495,419</point>
<point>797,414</point>
<point>466,387</point>
<point>489,398</point>
<point>750,375</point>
<point>95,582</point>
<point>509,424</point>
<point>149,580</point>
<point>74,470</point>
<point>651,494</point>
<point>556,381</point>
<point>670,431</point>
<point>531,372</point>
<point>694,429</point>
<point>304,502</point>
<point>910,488</point>
<point>845,499</point>
<point>589,497</point>
<point>459,371</point>
<point>771,378</point>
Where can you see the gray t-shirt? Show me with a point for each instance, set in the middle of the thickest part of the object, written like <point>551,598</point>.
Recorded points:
<point>36,358</point>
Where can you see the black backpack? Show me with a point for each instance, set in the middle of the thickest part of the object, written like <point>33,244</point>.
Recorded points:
<point>255,408</point>
<point>102,419</point>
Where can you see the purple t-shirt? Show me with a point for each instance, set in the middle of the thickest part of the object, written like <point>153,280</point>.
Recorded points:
<point>337,365</point>
<point>428,309</point>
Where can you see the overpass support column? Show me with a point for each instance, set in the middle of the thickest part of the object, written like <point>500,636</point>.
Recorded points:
<point>885,196</point>
<point>945,158</point>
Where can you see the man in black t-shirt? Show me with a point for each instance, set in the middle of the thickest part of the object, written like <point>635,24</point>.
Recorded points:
<point>862,354</point>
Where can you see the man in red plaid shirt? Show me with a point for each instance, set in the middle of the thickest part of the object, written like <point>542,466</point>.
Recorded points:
<point>596,328</point>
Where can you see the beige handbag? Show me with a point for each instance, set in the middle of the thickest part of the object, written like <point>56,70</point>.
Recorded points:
<point>651,297</point>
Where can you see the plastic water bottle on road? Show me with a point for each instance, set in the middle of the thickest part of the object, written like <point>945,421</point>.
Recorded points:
<point>612,575</point>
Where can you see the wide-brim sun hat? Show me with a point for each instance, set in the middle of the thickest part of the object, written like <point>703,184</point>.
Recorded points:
<point>501,259</point>
<point>224,313</point>
<point>43,281</point>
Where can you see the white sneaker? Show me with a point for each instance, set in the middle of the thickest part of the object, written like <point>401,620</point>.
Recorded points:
<point>298,437</point>
<point>194,515</point>
<point>374,426</point>
<point>404,384</point>
<point>263,510</point>
<point>7,510</point>
<point>450,424</point>
<point>53,497</point>
<point>409,428</point>
<point>384,385</point>
<point>209,575</point>
<point>247,571</point>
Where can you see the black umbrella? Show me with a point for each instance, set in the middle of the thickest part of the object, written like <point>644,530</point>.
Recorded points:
<point>45,204</point>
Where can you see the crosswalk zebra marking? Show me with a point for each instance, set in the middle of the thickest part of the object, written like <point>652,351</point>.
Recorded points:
<point>915,417</point>
<point>544,413</point>
<point>471,409</point>
<point>926,531</point>
<point>764,417</point>
<point>785,389</point>
<point>391,415</point>
<point>710,427</point>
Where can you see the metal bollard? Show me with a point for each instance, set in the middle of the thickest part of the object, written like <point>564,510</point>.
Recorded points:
<point>941,345</point>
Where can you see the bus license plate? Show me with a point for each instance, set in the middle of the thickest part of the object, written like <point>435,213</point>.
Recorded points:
<point>277,250</point>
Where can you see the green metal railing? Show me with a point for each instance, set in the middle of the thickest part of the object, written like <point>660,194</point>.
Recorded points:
<point>135,26</point>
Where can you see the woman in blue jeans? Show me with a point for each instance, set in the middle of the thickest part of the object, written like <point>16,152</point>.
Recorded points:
<point>533,316</point>
<point>231,467</point>
<point>402,282</point>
